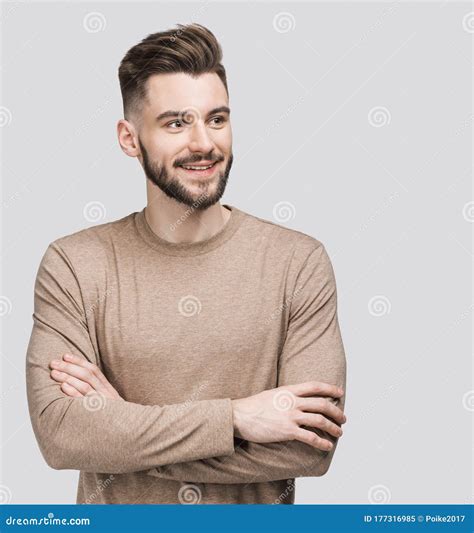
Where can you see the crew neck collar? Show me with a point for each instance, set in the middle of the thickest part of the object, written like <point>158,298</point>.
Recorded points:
<point>193,248</point>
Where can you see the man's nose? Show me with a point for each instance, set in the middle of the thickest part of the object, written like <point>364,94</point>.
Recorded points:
<point>199,138</point>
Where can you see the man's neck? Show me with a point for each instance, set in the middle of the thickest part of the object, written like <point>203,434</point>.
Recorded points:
<point>179,223</point>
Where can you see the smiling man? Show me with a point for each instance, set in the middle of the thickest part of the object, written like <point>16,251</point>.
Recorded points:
<point>190,351</point>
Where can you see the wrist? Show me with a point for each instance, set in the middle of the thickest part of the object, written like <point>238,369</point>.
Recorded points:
<point>237,419</point>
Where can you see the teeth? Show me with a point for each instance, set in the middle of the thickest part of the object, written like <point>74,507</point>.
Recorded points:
<point>197,168</point>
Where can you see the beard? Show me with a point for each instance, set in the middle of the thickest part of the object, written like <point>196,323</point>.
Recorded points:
<point>174,189</point>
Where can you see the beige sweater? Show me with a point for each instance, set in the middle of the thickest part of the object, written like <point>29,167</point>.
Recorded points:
<point>179,330</point>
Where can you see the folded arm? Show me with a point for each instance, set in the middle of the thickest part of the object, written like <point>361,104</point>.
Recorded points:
<point>96,434</point>
<point>313,350</point>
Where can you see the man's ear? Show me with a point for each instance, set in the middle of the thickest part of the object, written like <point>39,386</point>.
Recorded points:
<point>128,138</point>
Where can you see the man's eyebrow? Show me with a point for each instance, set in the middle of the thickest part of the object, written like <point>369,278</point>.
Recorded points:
<point>171,113</point>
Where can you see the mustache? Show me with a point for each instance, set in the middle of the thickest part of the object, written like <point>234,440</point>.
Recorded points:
<point>197,159</point>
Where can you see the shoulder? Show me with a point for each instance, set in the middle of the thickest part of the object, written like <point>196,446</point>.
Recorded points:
<point>86,251</point>
<point>287,242</point>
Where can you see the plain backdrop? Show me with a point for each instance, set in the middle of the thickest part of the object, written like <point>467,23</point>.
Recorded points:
<point>352,123</point>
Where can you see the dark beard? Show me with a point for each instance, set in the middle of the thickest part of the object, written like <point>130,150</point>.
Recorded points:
<point>174,189</point>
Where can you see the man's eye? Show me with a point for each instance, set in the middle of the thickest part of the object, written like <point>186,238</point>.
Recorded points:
<point>176,122</point>
<point>218,120</point>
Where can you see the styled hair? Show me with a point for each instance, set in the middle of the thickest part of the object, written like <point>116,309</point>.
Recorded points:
<point>192,49</point>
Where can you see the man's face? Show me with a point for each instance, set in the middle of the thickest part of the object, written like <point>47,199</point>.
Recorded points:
<point>186,123</point>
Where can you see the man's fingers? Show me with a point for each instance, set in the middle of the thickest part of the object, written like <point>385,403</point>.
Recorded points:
<point>322,405</point>
<point>315,388</point>
<point>80,372</point>
<point>82,375</point>
<point>70,391</point>
<point>79,385</point>
<point>94,369</point>
<point>321,422</point>
<point>314,440</point>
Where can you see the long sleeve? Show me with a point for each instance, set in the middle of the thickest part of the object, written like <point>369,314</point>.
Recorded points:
<point>94,434</point>
<point>313,350</point>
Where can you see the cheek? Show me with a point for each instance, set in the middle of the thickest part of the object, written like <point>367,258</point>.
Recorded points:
<point>168,150</point>
<point>224,140</point>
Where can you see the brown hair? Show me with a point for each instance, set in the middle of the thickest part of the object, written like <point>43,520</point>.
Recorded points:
<point>191,48</point>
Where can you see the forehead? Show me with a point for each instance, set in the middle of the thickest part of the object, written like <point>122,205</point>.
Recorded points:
<point>177,91</point>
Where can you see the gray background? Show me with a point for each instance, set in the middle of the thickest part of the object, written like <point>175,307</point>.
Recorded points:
<point>358,117</point>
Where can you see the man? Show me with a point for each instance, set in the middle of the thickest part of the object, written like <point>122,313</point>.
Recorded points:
<point>189,352</point>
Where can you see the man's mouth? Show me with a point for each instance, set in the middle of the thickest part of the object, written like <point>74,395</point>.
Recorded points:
<point>200,169</point>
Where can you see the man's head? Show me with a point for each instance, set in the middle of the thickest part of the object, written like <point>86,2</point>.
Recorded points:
<point>176,109</point>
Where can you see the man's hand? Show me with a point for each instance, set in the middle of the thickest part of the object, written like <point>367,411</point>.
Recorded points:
<point>277,414</point>
<point>79,378</point>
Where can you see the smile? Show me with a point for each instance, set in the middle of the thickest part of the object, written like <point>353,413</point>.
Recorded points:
<point>197,167</point>
<point>200,170</point>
